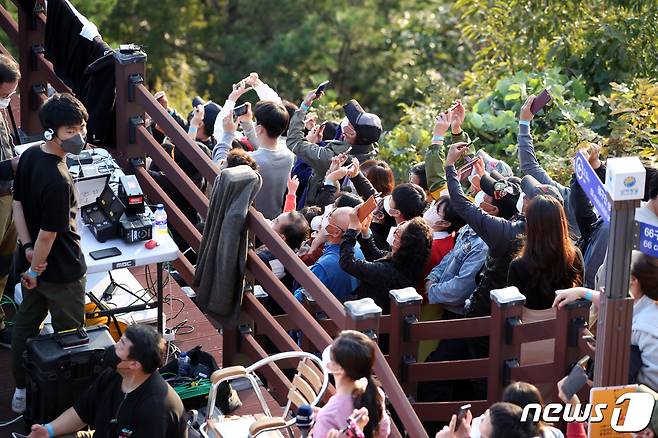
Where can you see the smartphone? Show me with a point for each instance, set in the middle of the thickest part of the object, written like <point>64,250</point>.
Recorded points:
<point>575,381</point>
<point>461,414</point>
<point>590,339</point>
<point>466,168</point>
<point>351,430</point>
<point>18,435</point>
<point>321,88</point>
<point>240,110</point>
<point>470,142</point>
<point>540,101</point>
<point>105,253</point>
<point>367,208</point>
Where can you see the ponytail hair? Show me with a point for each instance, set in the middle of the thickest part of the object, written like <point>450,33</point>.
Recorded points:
<point>355,353</point>
<point>371,399</point>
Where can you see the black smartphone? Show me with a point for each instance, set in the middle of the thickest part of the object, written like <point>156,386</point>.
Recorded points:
<point>540,101</point>
<point>576,379</point>
<point>321,88</point>
<point>461,414</point>
<point>105,253</point>
<point>470,142</point>
<point>590,339</point>
<point>240,110</point>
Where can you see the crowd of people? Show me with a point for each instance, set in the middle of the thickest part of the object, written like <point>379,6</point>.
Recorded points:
<point>461,225</point>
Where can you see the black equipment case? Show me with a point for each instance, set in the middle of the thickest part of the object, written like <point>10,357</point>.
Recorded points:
<point>60,367</point>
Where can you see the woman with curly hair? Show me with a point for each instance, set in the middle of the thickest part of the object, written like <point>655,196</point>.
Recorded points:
<point>382,270</point>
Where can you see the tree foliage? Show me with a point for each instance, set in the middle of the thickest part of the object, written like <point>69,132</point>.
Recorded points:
<point>407,60</point>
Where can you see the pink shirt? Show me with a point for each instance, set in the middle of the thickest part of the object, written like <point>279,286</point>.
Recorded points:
<point>335,413</point>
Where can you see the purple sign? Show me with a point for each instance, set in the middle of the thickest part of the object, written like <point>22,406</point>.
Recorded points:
<point>649,239</point>
<point>592,186</point>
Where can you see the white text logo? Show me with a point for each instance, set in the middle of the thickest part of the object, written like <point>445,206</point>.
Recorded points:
<point>637,417</point>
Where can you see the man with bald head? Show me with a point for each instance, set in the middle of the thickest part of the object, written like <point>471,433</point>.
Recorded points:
<point>327,267</point>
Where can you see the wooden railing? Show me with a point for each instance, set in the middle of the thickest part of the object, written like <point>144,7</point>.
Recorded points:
<point>320,316</point>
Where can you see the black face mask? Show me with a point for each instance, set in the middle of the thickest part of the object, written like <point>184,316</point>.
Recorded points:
<point>110,358</point>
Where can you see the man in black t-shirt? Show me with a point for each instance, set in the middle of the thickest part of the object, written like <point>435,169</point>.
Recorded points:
<point>45,210</point>
<point>130,399</point>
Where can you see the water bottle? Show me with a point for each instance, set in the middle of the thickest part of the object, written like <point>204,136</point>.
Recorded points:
<point>160,228</point>
<point>184,365</point>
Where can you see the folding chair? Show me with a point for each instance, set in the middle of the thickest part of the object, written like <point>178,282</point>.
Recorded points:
<point>307,388</point>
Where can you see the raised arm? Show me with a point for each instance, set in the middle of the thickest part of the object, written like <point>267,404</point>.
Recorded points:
<point>238,90</point>
<point>319,158</point>
<point>493,230</point>
<point>527,158</point>
<point>435,155</point>
<point>223,146</point>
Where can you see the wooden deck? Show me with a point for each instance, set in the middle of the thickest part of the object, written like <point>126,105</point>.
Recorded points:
<point>204,334</point>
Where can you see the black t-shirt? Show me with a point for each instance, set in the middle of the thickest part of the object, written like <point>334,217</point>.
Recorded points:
<point>153,410</point>
<point>45,189</point>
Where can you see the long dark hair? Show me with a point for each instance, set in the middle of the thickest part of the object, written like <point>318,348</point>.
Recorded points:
<point>355,353</point>
<point>522,394</point>
<point>415,247</point>
<point>548,249</point>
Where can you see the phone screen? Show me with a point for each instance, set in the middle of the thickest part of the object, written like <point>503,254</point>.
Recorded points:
<point>240,110</point>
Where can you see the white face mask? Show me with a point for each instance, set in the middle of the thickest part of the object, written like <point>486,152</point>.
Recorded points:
<point>479,198</point>
<point>519,203</point>
<point>324,222</point>
<point>391,236</point>
<point>431,215</point>
<point>4,103</point>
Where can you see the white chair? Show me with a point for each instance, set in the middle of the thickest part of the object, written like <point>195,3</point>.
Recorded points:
<point>308,387</point>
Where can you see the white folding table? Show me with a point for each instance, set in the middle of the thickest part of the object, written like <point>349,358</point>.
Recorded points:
<point>132,254</point>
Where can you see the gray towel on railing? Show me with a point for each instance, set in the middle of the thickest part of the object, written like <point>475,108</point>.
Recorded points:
<point>222,257</point>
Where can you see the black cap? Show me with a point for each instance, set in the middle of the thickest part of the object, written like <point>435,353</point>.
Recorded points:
<point>368,126</point>
<point>505,194</point>
<point>211,110</point>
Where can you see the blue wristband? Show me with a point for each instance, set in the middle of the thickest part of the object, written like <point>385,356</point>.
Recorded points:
<point>49,428</point>
<point>437,138</point>
<point>524,122</point>
<point>304,107</point>
<point>31,273</point>
<point>588,295</point>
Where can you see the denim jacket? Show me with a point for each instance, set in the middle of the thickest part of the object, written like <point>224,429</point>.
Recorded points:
<point>453,280</point>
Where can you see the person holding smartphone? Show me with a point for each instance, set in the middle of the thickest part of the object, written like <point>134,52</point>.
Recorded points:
<point>45,211</point>
<point>360,130</point>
